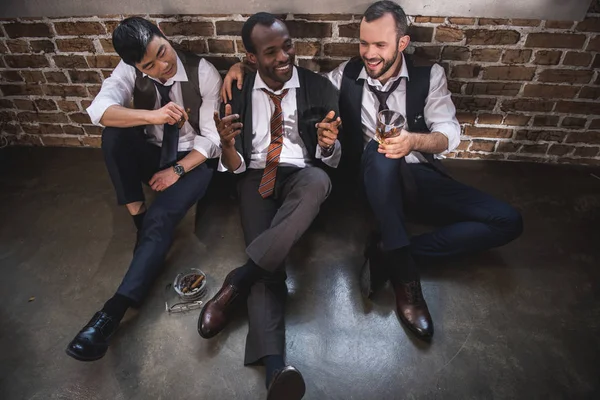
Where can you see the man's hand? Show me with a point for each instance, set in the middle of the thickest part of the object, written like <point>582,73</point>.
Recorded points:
<point>235,73</point>
<point>162,180</point>
<point>327,130</point>
<point>227,127</point>
<point>170,114</point>
<point>397,147</point>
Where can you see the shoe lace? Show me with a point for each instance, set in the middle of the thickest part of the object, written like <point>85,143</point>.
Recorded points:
<point>224,293</point>
<point>101,321</point>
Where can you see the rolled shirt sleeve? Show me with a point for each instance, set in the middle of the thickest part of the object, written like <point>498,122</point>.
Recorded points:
<point>239,170</point>
<point>333,160</point>
<point>117,89</point>
<point>208,141</point>
<point>440,112</point>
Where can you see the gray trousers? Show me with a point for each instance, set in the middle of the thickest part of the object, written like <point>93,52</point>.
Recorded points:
<point>271,227</point>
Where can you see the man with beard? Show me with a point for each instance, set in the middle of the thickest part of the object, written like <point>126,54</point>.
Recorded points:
<point>278,132</point>
<point>403,176</point>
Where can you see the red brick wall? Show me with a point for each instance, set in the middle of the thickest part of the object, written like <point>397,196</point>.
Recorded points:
<point>524,89</point>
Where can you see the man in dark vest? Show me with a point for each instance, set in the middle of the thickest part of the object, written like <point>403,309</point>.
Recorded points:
<point>278,132</point>
<point>163,140</point>
<point>403,176</point>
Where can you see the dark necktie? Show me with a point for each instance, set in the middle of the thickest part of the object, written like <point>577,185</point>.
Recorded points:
<point>267,183</point>
<point>383,96</point>
<point>408,180</point>
<point>170,143</point>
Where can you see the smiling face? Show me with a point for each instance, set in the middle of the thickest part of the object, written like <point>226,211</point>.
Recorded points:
<point>274,55</point>
<point>160,60</point>
<point>380,47</point>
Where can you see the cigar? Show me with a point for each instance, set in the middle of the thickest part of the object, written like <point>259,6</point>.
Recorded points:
<point>182,120</point>
<point>194,285</point>
<point>197,282</point>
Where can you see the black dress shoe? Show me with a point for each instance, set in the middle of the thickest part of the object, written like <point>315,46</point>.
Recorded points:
<point>91,343</point>
<point>287,384</point>
<point>374,273</point>
<point>412,308</point>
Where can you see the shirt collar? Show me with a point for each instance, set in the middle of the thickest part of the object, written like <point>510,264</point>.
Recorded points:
<point>374,82</point>
<point>293,83</point>
<point>180,75</point>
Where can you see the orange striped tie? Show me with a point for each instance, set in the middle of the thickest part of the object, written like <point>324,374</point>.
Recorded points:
<point>267,183</point>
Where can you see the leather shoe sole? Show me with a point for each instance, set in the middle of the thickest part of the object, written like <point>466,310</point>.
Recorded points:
<point>373,275</point>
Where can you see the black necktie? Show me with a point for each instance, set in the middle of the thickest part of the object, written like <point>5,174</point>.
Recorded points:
<point>383,96</point>
<point>170,142</point>
<point>408,180</point>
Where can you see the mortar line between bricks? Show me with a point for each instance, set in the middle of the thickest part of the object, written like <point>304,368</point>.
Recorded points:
<point>523,31</point>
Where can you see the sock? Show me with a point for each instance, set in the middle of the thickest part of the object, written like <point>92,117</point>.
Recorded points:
<point>401,265</point>
<point>138,220</point>
<point>116,306</point>
<point>247,274</point>
<point>272,364</point>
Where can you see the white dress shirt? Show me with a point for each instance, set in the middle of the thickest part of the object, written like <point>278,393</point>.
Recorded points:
<point>118,90</point>
<point>293,152</point>
<point>439,113</point>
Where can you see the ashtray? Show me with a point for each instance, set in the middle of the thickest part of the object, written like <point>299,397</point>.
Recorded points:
<point>190,285</point>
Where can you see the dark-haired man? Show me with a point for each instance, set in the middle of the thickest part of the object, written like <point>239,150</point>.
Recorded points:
<point>404,175</point>
<point>157,109</point>
<point>278,131</point>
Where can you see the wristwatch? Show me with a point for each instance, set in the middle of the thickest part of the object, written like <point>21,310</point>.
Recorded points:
<point>179,170</point>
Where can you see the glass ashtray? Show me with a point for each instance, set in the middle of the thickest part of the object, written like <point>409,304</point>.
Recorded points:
<point>190,285</point>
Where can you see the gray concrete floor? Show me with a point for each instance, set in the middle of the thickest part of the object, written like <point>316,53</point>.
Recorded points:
<point>519,322</point>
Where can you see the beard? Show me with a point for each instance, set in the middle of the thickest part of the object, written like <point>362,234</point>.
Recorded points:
<point>387,64</point>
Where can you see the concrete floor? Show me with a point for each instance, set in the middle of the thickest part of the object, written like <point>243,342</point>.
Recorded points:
<point>519,322</point>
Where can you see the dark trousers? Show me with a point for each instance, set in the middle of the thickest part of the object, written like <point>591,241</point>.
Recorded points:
<point>271,227</point>
<point>470,220</point>
<point>131,161</point>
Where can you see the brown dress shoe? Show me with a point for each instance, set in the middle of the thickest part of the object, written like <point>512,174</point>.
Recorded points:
<point>216,313</point>
<point>412,308</point>
<point>287,384</point>
<point>374,273</point>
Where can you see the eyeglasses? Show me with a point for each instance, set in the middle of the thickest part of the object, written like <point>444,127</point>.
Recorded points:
<point>174,304</point>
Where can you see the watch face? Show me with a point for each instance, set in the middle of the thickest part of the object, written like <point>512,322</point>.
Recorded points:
<point>178,169</point>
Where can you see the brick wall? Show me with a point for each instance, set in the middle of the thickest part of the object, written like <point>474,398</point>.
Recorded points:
<point>524,89</point>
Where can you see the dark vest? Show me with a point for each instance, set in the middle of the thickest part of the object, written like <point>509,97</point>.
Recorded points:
<point>351,92</point>
<point>315,97</point>
<point>144,92</point>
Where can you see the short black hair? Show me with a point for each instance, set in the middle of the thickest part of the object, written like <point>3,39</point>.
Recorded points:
<point>261,18</point>
<point>131,37</point>
<point>380,8</point>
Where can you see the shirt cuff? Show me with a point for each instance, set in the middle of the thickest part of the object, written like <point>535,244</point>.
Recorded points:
<point>332,160</point>
<point>451,131</point>
<point>97,109</point>
<point>241,168</point>
<point>206,147</point>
